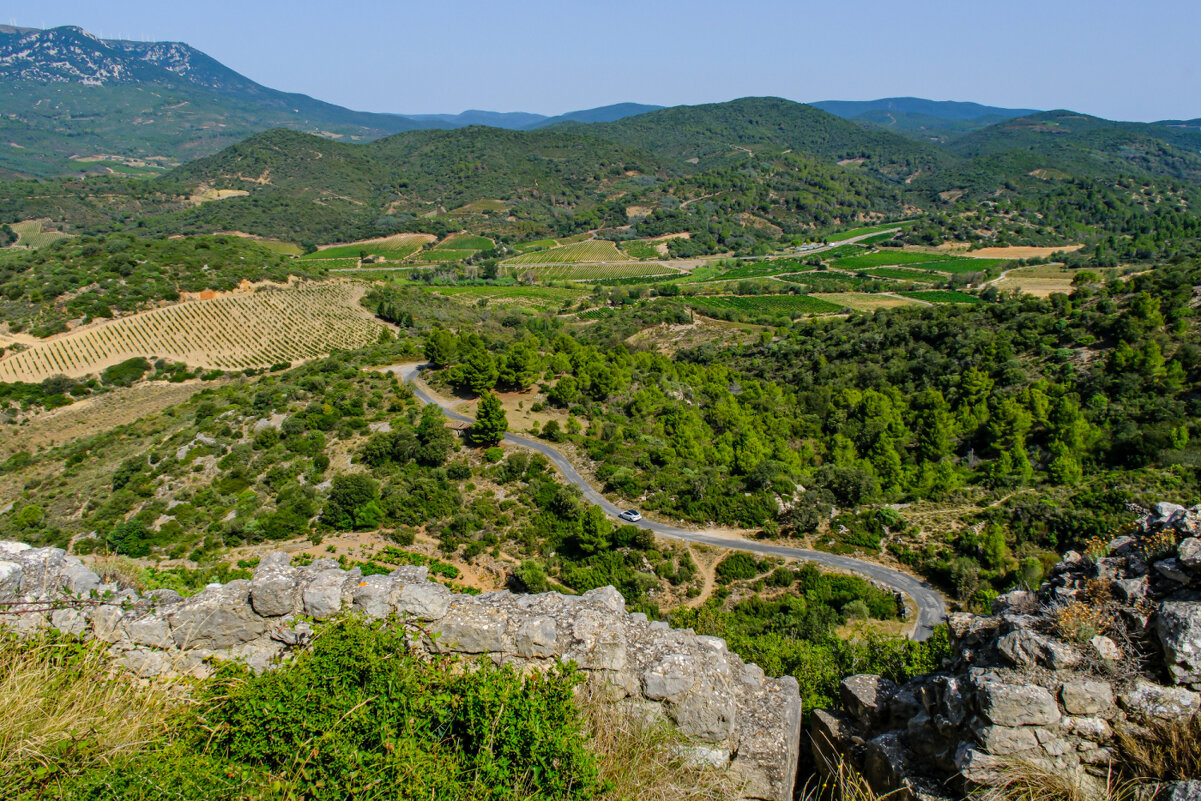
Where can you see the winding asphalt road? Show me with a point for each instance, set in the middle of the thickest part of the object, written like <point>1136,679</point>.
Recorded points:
<point>931,610</point>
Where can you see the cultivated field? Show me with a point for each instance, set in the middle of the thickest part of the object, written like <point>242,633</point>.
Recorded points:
<point>921,261</point>
<point>942,296</point>
<point>231,332</point>
<point>1022,252</point>
<point>542,298</point>
<point>585,272</point>
<point>641,249</point>
<point>33,234</point>
<point>595,250</point>
<point>842,236</point>
<point>754,269</point>
<point>863,301</point>
<point>393,248</point>
<point>903,274</point>
<point>1040,280</point>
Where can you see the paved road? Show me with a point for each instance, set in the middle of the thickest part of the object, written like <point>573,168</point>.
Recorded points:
<point>931,610</point>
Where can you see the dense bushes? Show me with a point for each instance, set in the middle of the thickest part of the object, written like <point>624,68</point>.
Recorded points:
<point>357,716</point>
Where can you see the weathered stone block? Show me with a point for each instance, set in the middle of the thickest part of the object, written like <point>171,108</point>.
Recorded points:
<point>373,596</point>
<point>1017,704</point>
<point>1178,626</point>
<point>219,617</point>
<point>1086,697</point>
<point>1148,701</point>
<point>866,697</point>
<point>537,637</point>
<point>322,596</point>
<point>425,601</point>
<point>273,591</point>
<point>149,630</point>
<point>1006,740</point>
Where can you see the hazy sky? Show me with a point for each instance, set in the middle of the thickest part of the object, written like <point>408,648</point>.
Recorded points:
<point>1115,58</point>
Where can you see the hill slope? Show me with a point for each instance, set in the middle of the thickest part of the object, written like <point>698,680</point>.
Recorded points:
<point>699,137</point>
<point>69,96</point>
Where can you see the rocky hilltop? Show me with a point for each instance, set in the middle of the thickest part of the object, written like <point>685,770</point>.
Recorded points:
<point>730,711</point>
<point>1108,649</point>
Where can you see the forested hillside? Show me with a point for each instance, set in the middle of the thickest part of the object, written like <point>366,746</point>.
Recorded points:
<point>748,176</point>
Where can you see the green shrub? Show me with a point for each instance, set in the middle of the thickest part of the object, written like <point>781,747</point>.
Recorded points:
<point>360,716</point>
<point>737,567</point>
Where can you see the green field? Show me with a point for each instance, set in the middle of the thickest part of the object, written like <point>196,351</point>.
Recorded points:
<point>537,244</point>
<point>641,249</point>
<point>586,272</point>
<point>882,258</point>
<point>464,242</point>
<point>759,269</point>
<point>941,296</point>
<point>772,305</point>
<point>840,251</point>
<point>903,274</point>
<point>953,265</point>
<point>842,236</point>
<point>594,250</point>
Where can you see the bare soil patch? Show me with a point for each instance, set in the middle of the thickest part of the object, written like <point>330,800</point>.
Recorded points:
<point>862,301</point>
<point>96,414</point>
<point>1021,252</point>
<point>668,338</point>
<point>1041,281</point>
<point>206,194</point>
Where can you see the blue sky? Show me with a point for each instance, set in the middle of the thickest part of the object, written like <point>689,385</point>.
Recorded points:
<point>1124,60</point>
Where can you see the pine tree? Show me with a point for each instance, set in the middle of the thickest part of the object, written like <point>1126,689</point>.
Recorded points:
<point>490,422</point>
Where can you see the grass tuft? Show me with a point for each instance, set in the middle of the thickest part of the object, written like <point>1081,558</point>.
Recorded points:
<point>66,710</point>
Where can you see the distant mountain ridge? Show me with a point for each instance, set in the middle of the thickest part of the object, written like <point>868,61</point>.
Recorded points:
<point>935,120</point>
<point>941,109</point>
<point>74,101</point>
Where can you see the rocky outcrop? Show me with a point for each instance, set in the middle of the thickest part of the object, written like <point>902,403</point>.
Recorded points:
<point>731,712</point>
<point>1111,641</point>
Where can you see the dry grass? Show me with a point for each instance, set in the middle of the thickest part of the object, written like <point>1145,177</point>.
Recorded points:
<point>66,709</point>
<point>1024,780</point>
<point>1169,751</point>
<point>642,759</point>
<point>844,783</point>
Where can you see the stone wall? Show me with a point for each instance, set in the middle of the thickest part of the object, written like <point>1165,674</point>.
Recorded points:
<point>1020,689</point>
<point>729,710</point>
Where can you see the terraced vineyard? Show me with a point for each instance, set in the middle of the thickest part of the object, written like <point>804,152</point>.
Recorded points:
<point>586,272</point>
<point>33,234</point>
<point>232,332</point>
<point>641,249</point>
<point>543,298</point>
<point>904,274</point>
<point>759,269</point>
<point>594,250</point>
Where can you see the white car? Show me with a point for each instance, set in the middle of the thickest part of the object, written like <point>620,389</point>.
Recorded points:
<point>631,515</point>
